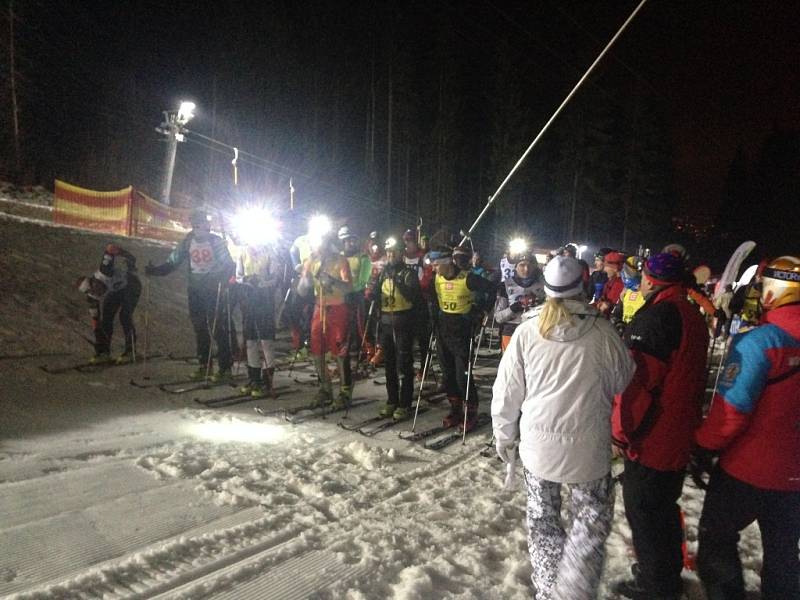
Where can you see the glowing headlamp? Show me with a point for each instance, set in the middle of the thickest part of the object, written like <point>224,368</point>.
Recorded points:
<point>318,227</point>
<point>256,227</point>
<point>517,246</point>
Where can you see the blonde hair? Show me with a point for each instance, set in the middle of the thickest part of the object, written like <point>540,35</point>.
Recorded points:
<point>553,313</point>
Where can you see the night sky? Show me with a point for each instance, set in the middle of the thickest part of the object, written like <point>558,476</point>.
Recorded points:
<point>280,79</point>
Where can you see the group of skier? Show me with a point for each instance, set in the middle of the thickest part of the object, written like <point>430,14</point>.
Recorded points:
<point>567,384</point>
<point>617,354</point>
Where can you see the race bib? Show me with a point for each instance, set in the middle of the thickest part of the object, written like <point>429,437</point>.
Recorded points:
<point>201,257</point>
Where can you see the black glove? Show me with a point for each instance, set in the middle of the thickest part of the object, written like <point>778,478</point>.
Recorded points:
<point>517,307</point>
<point>326,279</point>
<point>149,269</point>
<point>701,462</point>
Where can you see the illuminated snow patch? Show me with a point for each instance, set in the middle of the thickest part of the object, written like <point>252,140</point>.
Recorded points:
<point>237,430</point>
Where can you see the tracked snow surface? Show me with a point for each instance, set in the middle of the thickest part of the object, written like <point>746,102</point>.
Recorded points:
<point>114,491</point>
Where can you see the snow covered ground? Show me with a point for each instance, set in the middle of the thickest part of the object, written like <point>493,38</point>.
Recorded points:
<point>113,491</point>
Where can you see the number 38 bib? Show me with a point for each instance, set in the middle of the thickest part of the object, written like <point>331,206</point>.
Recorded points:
<point>201,257</point>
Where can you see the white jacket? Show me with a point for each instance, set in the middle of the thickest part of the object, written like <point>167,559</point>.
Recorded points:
<point>562,389</point>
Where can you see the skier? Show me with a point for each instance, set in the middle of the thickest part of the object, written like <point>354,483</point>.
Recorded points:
<point>210,268</point>
<point>754,425</point>
<point>613,287</point>
<point>378,260</point>
<point>413,256</point>
<point>723,303</point>
<point>258,272</point>
<point>522,292</point>
<point>361,271</point>
<point>397,292</point>
<point>559,374</point>
<point>452,290</point>
<point>572,250</point>
<point>327,274</point>
<point>598,277</point>
<point>632,299</point>
<point>653,422</point>
<point>109,291</point>
<point>299,306</point>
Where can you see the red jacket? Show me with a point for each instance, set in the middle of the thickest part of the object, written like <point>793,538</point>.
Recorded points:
<point>654,419</point>
<point>755,416</point>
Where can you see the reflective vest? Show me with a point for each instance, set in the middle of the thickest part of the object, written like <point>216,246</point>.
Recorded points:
<point>632,301</point>
<point>392,300</point>
<point>455,297</point>
<point>254,261</point>
<point>327,296</point>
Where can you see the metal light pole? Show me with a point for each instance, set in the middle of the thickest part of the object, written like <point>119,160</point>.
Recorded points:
<point>173,128</point>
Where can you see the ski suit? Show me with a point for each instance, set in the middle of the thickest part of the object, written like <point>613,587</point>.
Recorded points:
<point>299,307</point>
<point>754,423</point>
<point>653,422</point>
<point>123,290</point>
<point>257,272</point>
<point>361,271</point>
<point>210,267</point>
<point>455,326</point>
<point>514,297</point>
<point>563,422</point>
<point>421,320</point>
<point>398,294</point>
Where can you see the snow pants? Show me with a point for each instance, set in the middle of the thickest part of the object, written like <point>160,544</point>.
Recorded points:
<point>568,565</point>
<point>299,309</point>
<point>730,506</point>
<point>453,343</point>
<point>124,302</point>
<point>258,311</point>
<point>651,507</point>
<point>202,304</point>
<point>397,339</point>
<point>422,332</point>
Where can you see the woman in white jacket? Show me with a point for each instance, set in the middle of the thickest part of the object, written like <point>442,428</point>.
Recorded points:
<point>554,390</point>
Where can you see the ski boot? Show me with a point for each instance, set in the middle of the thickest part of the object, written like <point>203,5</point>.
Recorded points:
<point>388,410</point>
<point>401,413</point>
<point>253,382</point>
<point>268,377</point>
<point>101,358</point>
<point>343,399</point>
<point>323,398</point>
<point>221,376</point>
<point>472,418</point>
<point>125,358</point>
<point>456,415</point>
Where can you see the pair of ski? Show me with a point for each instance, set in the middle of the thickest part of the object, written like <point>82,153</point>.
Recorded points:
<point>89,367</point>
<point>453,434</point>
<point>293,415</point>
<point>234,399</point>
<point>383,423</point>
<point>186,385</point>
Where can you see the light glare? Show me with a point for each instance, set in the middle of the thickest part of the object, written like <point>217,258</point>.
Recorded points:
<point>256,227</point>
<point>318,227</point>
<point>186,112</point>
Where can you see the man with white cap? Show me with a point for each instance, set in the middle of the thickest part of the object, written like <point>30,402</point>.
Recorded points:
<point>554,389</point>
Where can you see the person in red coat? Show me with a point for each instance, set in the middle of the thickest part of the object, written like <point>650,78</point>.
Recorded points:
<point>653,424</point>
<point>614,287</point>
<point>754,425</point>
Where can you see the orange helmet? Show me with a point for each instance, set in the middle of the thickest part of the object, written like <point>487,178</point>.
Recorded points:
<point>781,283</point>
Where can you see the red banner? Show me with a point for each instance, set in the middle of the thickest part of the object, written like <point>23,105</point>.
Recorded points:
<point>90,209</point>
<point>153,220</point>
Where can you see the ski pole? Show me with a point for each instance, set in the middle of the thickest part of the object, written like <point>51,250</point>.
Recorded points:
<point>491,334</point>
<point>146,323</point>
<point>424,375</point>
<point>364,335</point>
<point>480,339</point>
<point>283,306</point>
<point>466,394</point>
<point>213,328</point>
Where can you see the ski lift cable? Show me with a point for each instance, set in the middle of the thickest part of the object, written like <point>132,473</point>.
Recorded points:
<point>566,100</point>
<point>246,158</point>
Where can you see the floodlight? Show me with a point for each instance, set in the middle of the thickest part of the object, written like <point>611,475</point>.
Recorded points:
<point>186,112</point>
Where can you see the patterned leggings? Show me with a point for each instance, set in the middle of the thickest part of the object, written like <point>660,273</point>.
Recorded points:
<point>568,566</point>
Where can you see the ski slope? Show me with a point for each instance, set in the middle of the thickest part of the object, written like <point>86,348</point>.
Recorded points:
<point>114,491</point>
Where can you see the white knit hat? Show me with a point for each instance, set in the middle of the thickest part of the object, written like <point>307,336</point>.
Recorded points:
<point>563,277</point>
